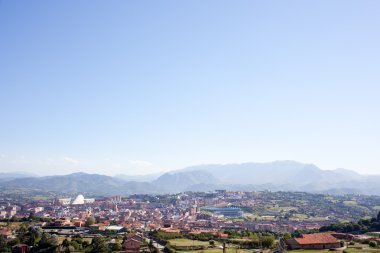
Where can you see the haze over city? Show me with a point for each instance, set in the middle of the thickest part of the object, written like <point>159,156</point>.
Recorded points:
<point>122,87</point>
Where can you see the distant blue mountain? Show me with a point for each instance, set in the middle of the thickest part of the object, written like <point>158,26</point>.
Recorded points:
<point>274,176</point>
<point>139,178</point>
<point>7,176</point>
<point>92,184</point>
<point>180,181</point>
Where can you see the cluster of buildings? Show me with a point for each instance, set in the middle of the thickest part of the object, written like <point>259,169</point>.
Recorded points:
<point>8,211</point>
<point>187,212</point>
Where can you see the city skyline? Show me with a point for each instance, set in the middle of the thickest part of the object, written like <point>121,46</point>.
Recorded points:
<point>144,87</point>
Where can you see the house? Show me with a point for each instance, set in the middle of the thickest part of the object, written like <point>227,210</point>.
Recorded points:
<point>314,241</point>
<point>5,233</point>
<point>20,248</point>
<point>62,222</point>
<point>223,236</point>
<point>137,237</point>
<point>99,226</point>
<point>3,214</point>
<point>79,223</point>
<point>131,245</point>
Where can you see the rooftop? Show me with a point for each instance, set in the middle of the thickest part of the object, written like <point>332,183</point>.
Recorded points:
<point>318,238</point>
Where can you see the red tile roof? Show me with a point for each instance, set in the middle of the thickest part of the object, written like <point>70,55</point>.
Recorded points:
<point>320,238</point>
<point>5,232</point>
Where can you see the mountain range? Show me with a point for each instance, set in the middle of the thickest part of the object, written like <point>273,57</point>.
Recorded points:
<point>274,176</point>
<point>7,176</point>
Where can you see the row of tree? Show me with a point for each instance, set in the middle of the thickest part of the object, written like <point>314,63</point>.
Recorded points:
<point>42,242</point>
<point>244,239</point>
<point>362,226</point>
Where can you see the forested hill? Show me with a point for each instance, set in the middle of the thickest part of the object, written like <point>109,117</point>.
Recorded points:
<point>362,226</point>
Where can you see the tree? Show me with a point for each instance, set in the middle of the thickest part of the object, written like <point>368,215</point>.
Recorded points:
<point>77,238</point>
<point>372,244</point>
<point>4,247</point>
<point>90,221</point>
<point>267,241</point>
<point>32,216</point>
<point>48,242</point>
<point>212,243</point>
<point>22,232</point>
<point>117,247</point>
<point>98,245</point>
<point>14,241</point>
<point>14,218</point>
<point>378,216</point>
<point>65,243</point>
<point>255,238</point>
<point>35,235</point>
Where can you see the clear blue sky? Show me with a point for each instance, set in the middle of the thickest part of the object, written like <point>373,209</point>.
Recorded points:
<point>142,86</point>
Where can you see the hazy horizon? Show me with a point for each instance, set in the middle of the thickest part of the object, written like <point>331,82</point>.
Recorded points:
<point>142,87</point>
<point>159,172</point>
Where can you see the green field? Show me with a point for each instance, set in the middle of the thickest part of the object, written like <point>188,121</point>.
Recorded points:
<point>38,197</point>
<point>299,216</point>
<point>359,248</point>
<point>350,203</point>
<point>311,251</point>
<point>306,217</point>
<point>216,250</point>
<point>362,248</point>
<point>187,242</point>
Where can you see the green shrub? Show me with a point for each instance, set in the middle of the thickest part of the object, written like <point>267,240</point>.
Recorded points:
<point>372,244</point>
